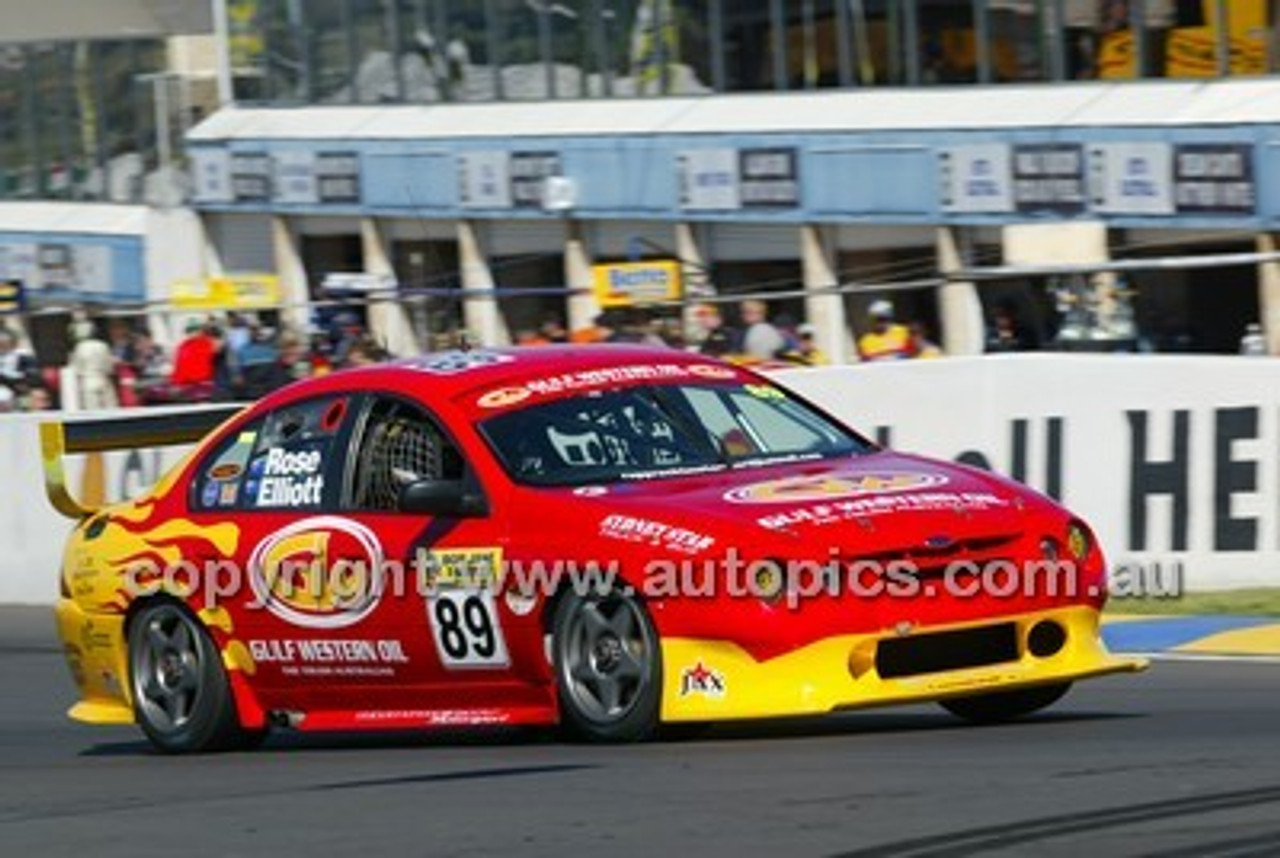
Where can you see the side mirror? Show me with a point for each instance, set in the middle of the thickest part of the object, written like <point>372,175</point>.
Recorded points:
<point>450,498</point>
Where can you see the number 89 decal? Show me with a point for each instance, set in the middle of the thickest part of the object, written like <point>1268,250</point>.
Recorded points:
<point>461,608</point>
<point>466,628</point>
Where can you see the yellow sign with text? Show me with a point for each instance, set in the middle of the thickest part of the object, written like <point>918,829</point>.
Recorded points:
<point>630,284</point>
<point>229,292</point>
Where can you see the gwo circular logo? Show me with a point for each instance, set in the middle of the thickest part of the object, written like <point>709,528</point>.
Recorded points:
<point>504,396</point>
<point>711,370</point>
<point>320,573</point>
<point>827,486</point>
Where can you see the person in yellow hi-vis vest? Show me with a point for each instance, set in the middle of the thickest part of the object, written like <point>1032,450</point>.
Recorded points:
<point>921,345</point>
<point>887,340</point>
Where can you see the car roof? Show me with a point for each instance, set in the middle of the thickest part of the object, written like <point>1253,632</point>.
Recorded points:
<point>455,375</point>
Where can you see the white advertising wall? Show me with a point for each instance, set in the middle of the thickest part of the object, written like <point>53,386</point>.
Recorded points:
<point>1173,460</point>
<point>32,533</point>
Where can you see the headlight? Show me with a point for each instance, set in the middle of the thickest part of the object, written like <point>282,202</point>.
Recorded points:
<point>1078,541</point>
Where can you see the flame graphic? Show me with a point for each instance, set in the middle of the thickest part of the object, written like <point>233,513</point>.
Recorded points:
<point>121,552</point>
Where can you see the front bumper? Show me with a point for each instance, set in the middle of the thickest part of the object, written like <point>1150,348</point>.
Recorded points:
<point>97,656</point>
<point>712,680</point>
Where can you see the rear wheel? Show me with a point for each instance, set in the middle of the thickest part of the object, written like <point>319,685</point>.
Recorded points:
<point>997,706</point>
<point>608,667</point>
<point>181,696</point>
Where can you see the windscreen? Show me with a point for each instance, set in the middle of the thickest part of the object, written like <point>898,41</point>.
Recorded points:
<point>647,432</point>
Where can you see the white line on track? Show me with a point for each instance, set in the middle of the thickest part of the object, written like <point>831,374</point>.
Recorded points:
<point>1168,655</point>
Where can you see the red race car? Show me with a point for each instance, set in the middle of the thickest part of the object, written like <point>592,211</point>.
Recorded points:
<point>609,538</point>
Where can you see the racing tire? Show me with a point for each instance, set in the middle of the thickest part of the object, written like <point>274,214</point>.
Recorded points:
<point>182,698</point>
<point>608,667</point>
<point>999,706</point>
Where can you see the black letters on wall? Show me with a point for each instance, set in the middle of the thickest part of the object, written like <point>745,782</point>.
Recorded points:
<point>1232,476</point>
<point>1170,477</point>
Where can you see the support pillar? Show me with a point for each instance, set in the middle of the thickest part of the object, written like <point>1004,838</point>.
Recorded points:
<point>582,305</point>
<point>295,293</point>
<point>388,319</point>
<point>695,272</point>
<point>211,254</point>
<point>479,312</point>
<point>1269,292</point>
<point>959,308</point>
<point>823,307</point>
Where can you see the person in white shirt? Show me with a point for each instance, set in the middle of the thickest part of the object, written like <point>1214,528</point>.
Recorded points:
<point>760,339</point>
<point>94,368</point>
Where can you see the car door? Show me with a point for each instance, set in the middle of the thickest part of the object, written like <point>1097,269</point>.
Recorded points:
<point>470,652</point>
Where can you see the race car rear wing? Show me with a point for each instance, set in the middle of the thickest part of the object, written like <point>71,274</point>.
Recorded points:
<point>97,435</point>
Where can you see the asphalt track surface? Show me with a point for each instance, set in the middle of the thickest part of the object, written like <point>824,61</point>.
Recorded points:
<point>1183,760</point>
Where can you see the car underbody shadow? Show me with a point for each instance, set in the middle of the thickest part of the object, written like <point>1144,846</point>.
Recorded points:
<point>846,724</point>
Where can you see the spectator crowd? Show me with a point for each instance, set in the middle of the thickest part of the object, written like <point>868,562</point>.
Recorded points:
<point>239,357</point>
<point>753,337</point>
<point>231,359</point>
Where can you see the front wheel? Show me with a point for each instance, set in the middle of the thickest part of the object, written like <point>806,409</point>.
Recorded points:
<point>997,706</point>
<point>608,667</point>
<point>181,696</point>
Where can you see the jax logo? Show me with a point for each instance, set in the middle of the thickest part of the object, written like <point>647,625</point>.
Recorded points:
<point>703,680</point>
<point>320,573</point>
<point>828,486</point>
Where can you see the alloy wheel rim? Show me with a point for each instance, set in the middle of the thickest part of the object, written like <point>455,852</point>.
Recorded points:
<point>605,659</point>
<point>167,670</point>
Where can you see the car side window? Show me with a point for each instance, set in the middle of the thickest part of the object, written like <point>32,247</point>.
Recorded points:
<point>294,461</point>
<point>778,430</point>
<point>399,444</point>
<point>757,419</point>
<point>287,460</point>
<point>217,482</point>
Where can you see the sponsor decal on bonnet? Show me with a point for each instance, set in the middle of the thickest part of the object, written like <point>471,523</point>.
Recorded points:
<point>849,510</point>
<point>827,486</point>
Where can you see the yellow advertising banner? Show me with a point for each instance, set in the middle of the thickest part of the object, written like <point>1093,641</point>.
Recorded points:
<point>1192,51</point>
<point>229,292</point>
<point>1189,52</point>
<point>628,284</point>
